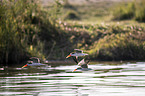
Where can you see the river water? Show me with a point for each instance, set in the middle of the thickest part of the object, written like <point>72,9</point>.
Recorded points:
<point>105,79</point>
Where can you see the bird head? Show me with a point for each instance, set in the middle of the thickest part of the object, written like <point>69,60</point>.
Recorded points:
<point>74,70</point>
<point>25,66</point>
<point>70,54</point>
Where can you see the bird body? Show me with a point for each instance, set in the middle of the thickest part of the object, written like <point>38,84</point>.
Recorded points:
<point>82,69</point>
<point>83,63</point>
<point>33,62</point>
<point>77,52</point>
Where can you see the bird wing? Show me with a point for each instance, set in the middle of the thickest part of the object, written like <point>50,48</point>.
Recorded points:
<point>78,50</point>
<point>79,54</point>
<point>75,59</point>
<point>81,62</point>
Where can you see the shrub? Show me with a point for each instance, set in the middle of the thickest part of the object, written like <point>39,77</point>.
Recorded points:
<point>124,11</point>
<point>133,10</point>
<point>140,11</point>
<point>127,45</point>
<point>25,29</point>
<point>72,15</point>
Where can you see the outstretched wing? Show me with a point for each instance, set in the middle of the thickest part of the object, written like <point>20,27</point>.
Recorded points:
<point>83,63</point>
<point>75,59</point>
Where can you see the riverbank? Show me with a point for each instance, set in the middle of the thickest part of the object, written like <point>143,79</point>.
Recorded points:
<point>40,32</point>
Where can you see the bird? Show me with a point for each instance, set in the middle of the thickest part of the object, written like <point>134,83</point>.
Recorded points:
<point>77,52</point>
<point>34,62</point>
<point>83,63</point>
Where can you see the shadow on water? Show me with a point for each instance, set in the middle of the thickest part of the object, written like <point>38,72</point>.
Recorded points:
<point>106,79</point>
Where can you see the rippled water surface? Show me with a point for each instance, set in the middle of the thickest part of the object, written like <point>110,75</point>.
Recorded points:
<point>126,79</point>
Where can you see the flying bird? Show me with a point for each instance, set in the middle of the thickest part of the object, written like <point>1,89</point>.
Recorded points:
<point>83,63</point>
<point>77,52</point>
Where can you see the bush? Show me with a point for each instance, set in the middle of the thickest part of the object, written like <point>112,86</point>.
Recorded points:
<point>134,10</point>
<point>25,29</point>
<point>140,11</point>
<point>124,11</point>
<point>120,46</point>
<point>72,15</point>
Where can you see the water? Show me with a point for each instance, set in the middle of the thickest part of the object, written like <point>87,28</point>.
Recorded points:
<point>126,79</point>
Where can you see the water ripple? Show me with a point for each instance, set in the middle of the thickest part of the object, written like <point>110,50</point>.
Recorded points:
<point>103,80</point>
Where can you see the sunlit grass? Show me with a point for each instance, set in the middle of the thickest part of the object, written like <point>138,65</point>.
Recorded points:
<point>132,10</point>
<point>51,33</point>
<point>109,40</point>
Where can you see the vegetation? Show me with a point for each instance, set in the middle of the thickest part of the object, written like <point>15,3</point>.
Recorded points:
<point>89,11</point>
<point>133,10</point>
<point>120,43</point>
<point>108,41</point>
<point>71,15</point>
<point>27,29</point>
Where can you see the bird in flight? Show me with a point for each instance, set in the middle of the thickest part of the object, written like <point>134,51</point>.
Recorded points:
<point>83,63</point>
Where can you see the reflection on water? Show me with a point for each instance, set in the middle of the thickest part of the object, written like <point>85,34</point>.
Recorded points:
<point>104,80</point>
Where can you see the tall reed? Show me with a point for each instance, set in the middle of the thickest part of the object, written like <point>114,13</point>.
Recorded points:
<point>25,28</point>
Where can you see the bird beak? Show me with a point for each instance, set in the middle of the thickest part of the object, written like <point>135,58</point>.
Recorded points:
<point>25,66</point>
<point>68,56</point>
<point>74,70</point>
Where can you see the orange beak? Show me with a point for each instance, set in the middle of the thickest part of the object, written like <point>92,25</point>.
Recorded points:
<point>68,56</point>
<point>74,70</point>
<point>25,66</point>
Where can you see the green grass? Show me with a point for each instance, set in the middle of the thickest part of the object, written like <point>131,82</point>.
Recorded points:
<point>99,35</point>
<point>90,11</point>
<point>43,32</point>
<point>26,30</point>
<point>132,10</point>
<point>109,41</point>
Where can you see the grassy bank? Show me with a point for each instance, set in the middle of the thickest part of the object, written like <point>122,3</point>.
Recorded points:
<point>27,29</point>
<point>109,41</point>
<point>133,10</point>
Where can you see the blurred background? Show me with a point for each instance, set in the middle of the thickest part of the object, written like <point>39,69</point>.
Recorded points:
<point>112,32</point>
<point>51,29</point>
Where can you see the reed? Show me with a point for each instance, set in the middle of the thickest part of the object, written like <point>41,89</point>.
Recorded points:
<point>24,28</point>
